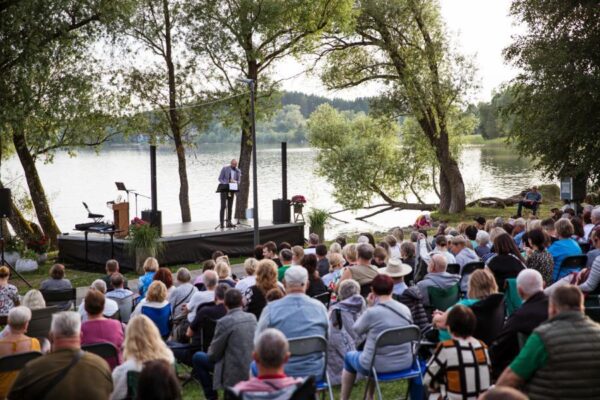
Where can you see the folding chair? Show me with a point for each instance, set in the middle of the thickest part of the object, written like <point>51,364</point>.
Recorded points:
<point>453,268</point>
<point>51,297</point>
<point>324,298</point>
<point>572,264</point>
<point>442,299</point>
<point>512,299</point>
<point>125,307</point>
<point>306,345</point>
<point>105,350</point>
<point>16,362</point>
<point>395,337</point>
<point>301,391</point>
<point>39,326</point>
<point>592,307</point>
<point>132,384</point>
<point>160,317</point>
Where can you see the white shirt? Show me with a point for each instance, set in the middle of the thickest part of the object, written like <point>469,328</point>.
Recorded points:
<point>119,377</point>
<point>198,298</point>
<point>110,308</point>
<point>245,283</point>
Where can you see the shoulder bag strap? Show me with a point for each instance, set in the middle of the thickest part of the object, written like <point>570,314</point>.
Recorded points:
<point>396,312</point>
<point>61,375</point>
<point>183,300</point>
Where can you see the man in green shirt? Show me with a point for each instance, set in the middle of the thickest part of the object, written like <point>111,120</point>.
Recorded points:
<point>561,358</point>
<point>285,256</point>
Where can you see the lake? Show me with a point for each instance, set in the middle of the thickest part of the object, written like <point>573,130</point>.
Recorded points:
<point>487,170</point>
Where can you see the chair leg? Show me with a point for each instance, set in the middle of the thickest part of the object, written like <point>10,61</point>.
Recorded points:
<point>378,388</point>
<point>329,389</point>
<point>367,388</point>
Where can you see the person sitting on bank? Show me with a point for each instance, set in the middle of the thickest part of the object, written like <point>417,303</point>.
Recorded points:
<point>561,358</point>
<point>437,276</point>
<point>531,200</point>
<point>271,353</point>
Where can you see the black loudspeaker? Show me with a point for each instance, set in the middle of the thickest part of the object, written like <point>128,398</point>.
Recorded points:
<point>281,211</point>
<point>5,209</point>
<point>154,218</point>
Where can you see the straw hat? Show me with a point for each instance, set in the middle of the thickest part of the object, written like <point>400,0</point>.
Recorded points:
<point>396,268</point>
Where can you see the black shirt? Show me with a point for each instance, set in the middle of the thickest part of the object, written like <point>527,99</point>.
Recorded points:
<point>205,322</point>
<point>504,267</point>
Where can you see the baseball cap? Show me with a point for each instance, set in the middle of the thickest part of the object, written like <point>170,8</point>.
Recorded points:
<point>296,275</point>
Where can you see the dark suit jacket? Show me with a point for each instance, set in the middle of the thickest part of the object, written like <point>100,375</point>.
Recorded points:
<point>528,317</point>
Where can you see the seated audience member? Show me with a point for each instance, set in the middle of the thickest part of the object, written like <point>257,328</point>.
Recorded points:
<point>315,284</point>
<point>230,352</point>
<point>313,241</point>
<point>341,337</point>
<point>142,343</point>
<point>593,278</point>
<point>462,253</point>
<point>578,232</point>
<point>156,298</point>
<point>165,276</point>
<point>250,265</point>
<point>502,393</point>
<point>270,252</point>
<point>259,252</point>
<point>297,315</point>
<point>284,245</point>
<point>538,257</point>
<point>437,276</point>
<point>548,227</point>
<point>15,341</point>
<point>518,231</point>
<point>460,366</point>
<point>88,376</point>
<point>182,294</point>
<point>202,296</point>
<point>111,267</point>
<point>471,234</point>
<point>165,388</point>
<point>481,284</point>
<point>531,200</point>
<point>57,282</point>
<point>271,353</point>
<point>508,261</point>
<point>336,263</point>
<point>394,246</point>
<point>397,271</point>
<point>594,249</point>
<point>34,300</point>
<point>441,247</point>
<point>408,253</point>
<point>335,247</point>
<point>9,295</point>
<point>209,265</point>
<point>350,254</point>
<point>523,321</point>
<point>287,258</point>
<point>363,272</point>
<point>588,225</point>
<point>150,268</point>
<point>341,240</point>
<point>216,255</point>
<point>119,292</point>
<point>383,313</point>
<point>97,329</point>
<point>224,273</point>
<point>322,261</point>
<point>266,279</point>
<point>297,254</point>
<point>110,306</point>
<point>563,248</point>
<point>561,358</point>
<point>274,294</point>
<point>480,223</point>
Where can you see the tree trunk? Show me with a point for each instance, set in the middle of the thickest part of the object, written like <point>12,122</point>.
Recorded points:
<point>241,203</point>
<point>36,190</point>
<point>445,193</point>
<point>175,123</point>
<point>450,176</point>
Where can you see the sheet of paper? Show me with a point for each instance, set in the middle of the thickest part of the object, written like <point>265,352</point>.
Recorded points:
<point>233,186</point>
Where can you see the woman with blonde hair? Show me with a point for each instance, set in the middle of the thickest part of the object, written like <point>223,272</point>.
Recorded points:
<point>142,343</point>
<point>297,255</point>
<point>350,254</point>
<point>336,264</point>
<point>224,272</point>
<point>156,307</point>
<point>150,268</point>
<point>34,300</point>
<point>250,280</point>
<point>256,295</point>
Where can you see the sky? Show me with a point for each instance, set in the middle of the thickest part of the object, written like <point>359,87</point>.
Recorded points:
<point>481,28</point>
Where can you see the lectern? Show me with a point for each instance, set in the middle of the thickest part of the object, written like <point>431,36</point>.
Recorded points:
<point>121,218</point>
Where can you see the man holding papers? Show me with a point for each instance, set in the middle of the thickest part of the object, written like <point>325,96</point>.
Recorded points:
<point>229,180</point>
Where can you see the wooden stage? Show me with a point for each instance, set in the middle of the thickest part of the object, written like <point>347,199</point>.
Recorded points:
<point>184,243</point>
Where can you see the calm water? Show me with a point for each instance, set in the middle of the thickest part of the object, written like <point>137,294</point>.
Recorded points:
<point>91,177</point>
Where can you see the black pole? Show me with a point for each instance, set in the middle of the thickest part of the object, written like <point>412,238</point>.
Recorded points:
<point>254,174</point>
<point>284,194</point>
<point>153,189</point>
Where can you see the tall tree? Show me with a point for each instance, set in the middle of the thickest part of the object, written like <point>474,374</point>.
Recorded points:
<point>245,38</point>
<point>557,94</point>
<point>402,44</point>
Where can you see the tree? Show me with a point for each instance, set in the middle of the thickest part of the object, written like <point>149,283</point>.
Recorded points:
<point>402,44</point>
<point>493,123</point>
<point>245,38</point>
<point>557,94</point>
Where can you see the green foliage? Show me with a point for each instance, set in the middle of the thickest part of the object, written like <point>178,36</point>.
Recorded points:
<point>556,97</point>
<point>144,236</point>
<point>317,218</point>
<point>492,122</point>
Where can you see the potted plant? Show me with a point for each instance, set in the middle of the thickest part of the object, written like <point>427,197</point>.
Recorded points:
<point>317,218</point>
<point>298,202</point>
<point>27,262</point>
<point>40,245</point>
<point>143,242</point>
<point>14,247</point>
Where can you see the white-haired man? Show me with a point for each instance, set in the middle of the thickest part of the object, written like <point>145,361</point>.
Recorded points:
<point>66,372</point>
<point>211,280</point>
<point>437,276</point>
<point>297,315</point>
<point>529,316</point>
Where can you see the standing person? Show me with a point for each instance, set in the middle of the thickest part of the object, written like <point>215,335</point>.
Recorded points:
<point>229,180</point>
<point>9,295</point>
<point>87,375</point>
<point>531,200</point>
<point>57,282</point>
<point>538,257</point>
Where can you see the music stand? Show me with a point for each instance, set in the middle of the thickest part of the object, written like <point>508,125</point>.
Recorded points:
<point>121,187</point>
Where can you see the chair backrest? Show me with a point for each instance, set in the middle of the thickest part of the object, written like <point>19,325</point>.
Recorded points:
<point>397,337</point>
<point>305,390</point>
<point>16,362</point>
<point>39,326</point>
<point>490,314</point>
<point>365,289</point>
<point>133,378</point>
<point>511,296</point>
<point>471,267</point>
<point>3,320</point>
<point>105,350</point>
<point>60,295</point>
<point>207,332</point>
<point>572,263</point>
<point>453,268</point>
<point>324,298</point>
<point>442,299</point>
<point>305,345</point>
<point>125,307</point>
<point>592,307</point>
<point>160,317</point>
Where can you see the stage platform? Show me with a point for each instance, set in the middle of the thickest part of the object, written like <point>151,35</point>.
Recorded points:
<point>184,243</point>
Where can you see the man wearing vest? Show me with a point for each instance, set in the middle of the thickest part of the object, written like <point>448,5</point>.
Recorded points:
<point>561,358</point>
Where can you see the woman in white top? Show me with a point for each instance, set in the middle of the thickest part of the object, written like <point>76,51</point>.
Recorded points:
<point>142,343</point>
<point>250,279</point>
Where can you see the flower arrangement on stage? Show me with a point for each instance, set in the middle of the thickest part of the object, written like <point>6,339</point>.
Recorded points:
<point>138,221</point>
<point>39,244</point>
<point>298,199</point>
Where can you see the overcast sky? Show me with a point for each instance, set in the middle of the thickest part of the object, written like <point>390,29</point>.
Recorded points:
<point>481,28</point>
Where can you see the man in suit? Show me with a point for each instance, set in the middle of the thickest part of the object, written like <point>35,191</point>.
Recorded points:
<point>229,174</point>
<point>529,316</point>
